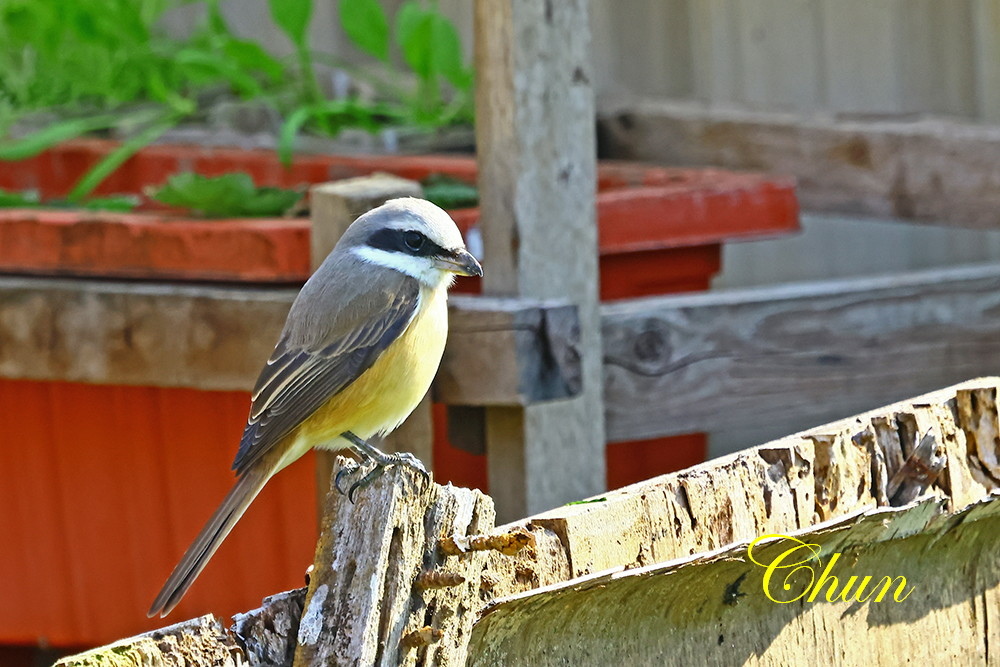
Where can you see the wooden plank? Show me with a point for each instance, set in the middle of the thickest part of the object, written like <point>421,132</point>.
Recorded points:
<point>715,604</point>
<point>935,170</point>
<point>217,338</point>
<point>537,168</point>
<point>794,355</point>
<point>534,350</point>
<point>825,473</point>
<point>673,364</point>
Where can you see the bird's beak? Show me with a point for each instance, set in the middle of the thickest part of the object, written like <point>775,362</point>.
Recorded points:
<point>459,261</point>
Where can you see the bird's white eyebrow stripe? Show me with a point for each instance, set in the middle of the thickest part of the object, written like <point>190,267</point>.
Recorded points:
<point>415,267</point>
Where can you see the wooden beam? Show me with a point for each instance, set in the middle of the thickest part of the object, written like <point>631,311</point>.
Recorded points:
<point>793,356</point>
<point>217,338</point>
<point>928,169</point>
<point>714,604</point>
<point>537,171</point>
<point>535,350</point>
<point>674,364</point>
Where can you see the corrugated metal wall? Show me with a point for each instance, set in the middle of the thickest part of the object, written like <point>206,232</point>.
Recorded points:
<point>844,56</point>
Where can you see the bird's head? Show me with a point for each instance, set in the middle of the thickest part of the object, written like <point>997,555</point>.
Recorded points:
<point>412,236</point>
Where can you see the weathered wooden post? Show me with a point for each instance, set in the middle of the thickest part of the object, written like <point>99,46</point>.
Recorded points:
<point>537,180</point>
<point>381,592</point>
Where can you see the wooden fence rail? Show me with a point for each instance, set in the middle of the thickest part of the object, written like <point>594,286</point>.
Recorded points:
<point>804,353</point>
<point>216,338</point>
<point>780,359</point>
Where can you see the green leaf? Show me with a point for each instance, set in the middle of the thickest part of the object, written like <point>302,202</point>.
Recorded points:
<point>446,52</point>
<point>413,36</point>
<point>64,130</point>
<point>334,115</point>
<point>116,203</point>
<point>449,192</point>
<point>365,23</point>
<point>18,199</point>
<point>431,45</point>
<point>213,68</point>
<point>289,130</point>
<point>118,156</point>
<point>588,501</point>
<point>229,195</point>
<point>293,17</point>
<point>270,202</point>
<point>206,195</point>
<point>251,56</point>
<point>58,132</point>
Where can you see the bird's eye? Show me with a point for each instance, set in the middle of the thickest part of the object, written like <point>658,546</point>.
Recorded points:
<point>413,240</point>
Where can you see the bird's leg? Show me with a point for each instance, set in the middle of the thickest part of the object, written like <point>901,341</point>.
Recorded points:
<point>374,462</point>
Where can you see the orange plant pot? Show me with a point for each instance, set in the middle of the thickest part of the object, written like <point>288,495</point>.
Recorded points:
<point>103,487</point>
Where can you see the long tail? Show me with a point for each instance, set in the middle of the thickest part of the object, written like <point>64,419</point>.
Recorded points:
<point>211,536</point>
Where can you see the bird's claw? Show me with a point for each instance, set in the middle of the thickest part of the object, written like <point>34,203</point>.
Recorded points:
<point>373,469</point>
<point>410,461</point>
<point>346,471</point>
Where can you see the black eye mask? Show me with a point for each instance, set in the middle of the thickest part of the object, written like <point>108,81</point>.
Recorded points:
<point>406,241</point>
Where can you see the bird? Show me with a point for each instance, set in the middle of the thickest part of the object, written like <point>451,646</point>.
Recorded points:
<point>358,351</point>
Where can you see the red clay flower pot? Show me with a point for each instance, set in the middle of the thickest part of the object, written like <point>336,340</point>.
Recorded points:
<point>103,487</point>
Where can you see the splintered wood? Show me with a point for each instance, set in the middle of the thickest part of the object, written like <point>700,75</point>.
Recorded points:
<point>199,642</point>
<point>368,603</point>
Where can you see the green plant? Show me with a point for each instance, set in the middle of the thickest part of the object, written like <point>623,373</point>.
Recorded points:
<point>449,192</point>
<point>96,65</point>
<point>235,195</point>
<point>229,195</point>
<point>429,45</point>
<point>30,199</point>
